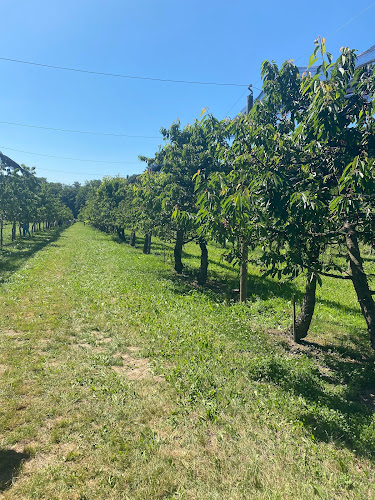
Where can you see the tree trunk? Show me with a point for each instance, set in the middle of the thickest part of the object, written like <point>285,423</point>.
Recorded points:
<point>178,266</point>
<point>145,244</point>
<point>14,231</point>
<point>359,279</point>
<point>149,243</point>
<point>132,239</point>
<point>307,310</point>
<point>244,271</point>
<point>202,276</point>
<point>1,233</point>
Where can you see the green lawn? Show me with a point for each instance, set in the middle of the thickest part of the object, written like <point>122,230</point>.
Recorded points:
<point>120,380</point>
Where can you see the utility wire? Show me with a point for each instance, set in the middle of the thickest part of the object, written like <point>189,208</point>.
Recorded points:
<point>350,20</point>
<point>81,131</point>
<point>334,32</point>
<point>66,172</point>
<point>138,78</point>
<point>238,100</point>
<point>118,75</point>
<point>341,27</point>
<point>74,159</point>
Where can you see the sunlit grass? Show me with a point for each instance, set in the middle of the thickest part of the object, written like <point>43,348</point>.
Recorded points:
<point>238,412</point>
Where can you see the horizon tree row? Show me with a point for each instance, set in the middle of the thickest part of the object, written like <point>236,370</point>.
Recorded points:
<point>27,201</point>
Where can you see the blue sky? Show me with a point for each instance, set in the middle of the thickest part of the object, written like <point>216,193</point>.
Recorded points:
<point>211,41</point>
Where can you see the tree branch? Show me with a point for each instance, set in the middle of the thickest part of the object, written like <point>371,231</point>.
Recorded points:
<point>330,233</point>
<point>329,275</point>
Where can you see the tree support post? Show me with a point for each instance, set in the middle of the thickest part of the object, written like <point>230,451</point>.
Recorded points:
<point>294,318</point>
<point>178,266</point>
<point>244,271</point>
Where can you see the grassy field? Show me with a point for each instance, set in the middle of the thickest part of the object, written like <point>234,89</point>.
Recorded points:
<point>119,380</point>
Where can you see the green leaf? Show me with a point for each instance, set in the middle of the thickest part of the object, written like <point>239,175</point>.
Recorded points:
<point>312,60</point>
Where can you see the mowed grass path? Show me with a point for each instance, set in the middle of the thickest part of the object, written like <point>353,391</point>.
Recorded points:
<point>120,381</point>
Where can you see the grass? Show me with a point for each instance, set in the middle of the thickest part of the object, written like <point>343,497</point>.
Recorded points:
<point>121,380</point>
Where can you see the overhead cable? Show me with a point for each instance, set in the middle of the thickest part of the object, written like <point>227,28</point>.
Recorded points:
<point>74,159</point>
<point>66,172</point>
<point>333,33</point>
<point>350,20</point>
<point>81,131</point>
<point>118,75</point>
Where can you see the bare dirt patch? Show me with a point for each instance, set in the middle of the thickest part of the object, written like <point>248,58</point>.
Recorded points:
<point>52,422</point>
<point>133,348</point>
<point>106,340</point>
<point>135,368</point>
<point>23,445</point>
<point>101,336</point>
<point>84,345</point>
<point>39,462</point>
<point>43,343</point>
<point>15,336</point>
<point>11,333</point>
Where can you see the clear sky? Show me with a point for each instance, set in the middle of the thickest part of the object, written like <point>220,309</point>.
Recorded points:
<point>196,40</point>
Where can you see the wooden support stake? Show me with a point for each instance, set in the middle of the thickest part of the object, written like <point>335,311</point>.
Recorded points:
<point>244,271</point>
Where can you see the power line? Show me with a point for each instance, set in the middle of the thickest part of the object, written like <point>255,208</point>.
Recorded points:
<point>341,27</point>
<point>332,34</point>
<point>238,100</point>
<point>81,131</point>
<point>66,172</point>
<point>74,159</point>
<point>350,20</point>
<point>118,75</point>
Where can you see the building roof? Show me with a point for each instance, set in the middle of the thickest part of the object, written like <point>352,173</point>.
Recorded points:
<point>366,57</point>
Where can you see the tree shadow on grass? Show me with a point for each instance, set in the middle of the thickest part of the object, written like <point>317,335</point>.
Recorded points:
<point>220,286</point>
<point>336,305</point>
<point>260,287</point>
<point>13,256</point>
<point>344,417</point>
<point>10,463</point>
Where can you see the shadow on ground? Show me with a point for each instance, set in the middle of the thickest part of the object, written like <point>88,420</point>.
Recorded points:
<point>10,463</point>
<point>345,417</point>
<point>13,256</point>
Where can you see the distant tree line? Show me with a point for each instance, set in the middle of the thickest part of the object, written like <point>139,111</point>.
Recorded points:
<point>294,177</point>
<point>30,203</point>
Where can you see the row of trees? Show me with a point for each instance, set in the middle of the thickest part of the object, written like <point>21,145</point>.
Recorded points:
<point>26,200</point>
<point>295,177</point>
